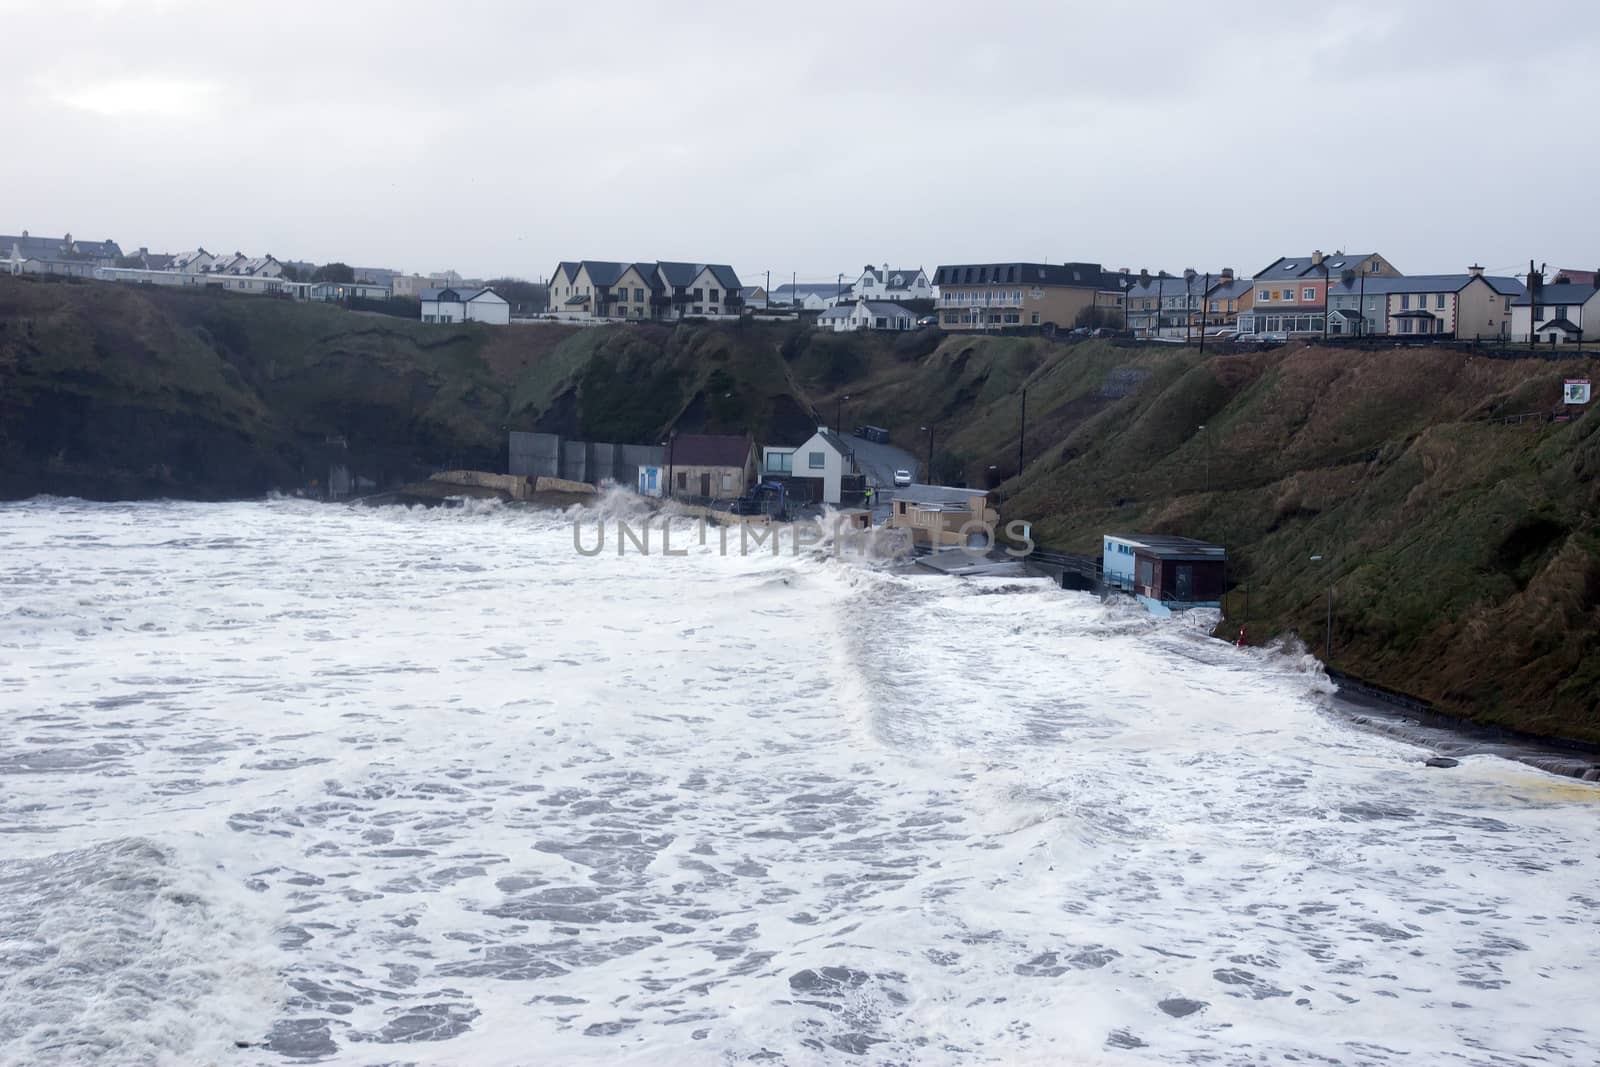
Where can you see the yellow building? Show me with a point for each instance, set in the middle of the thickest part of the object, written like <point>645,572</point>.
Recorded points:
<point>996,296</point>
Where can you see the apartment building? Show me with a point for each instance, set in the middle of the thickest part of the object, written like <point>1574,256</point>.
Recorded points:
<point>974,297</point>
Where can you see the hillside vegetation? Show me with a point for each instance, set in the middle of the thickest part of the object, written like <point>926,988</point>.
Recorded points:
<point>1464,551</point>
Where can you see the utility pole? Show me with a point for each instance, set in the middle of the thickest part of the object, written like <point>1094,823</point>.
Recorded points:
<point>1361,304</point>
<point>1188,301</point>
<point>838,406</point>
<point>1205,291</point>
<point>930,454</point>
<point>1022,431</point>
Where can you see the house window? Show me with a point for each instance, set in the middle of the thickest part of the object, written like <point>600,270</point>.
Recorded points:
<point>1034,318</point>
<point>1405,325</point>
<point>1405,302</point>
<point>712,295</point>
<point>622,296</point>
<point>698,294</point>
<point>1308,294</point>
<point>1216,305</point>
<point>1263,294</point>
<point>1438,301</point>
<point>1147,573</point>
<point>1560,313</point>
<point>638,296</point>
<point>816,460</point>
<point>683,480</point>
<point>1288,296</point>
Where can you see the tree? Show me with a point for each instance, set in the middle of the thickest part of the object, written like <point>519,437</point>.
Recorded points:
<point>1099,318</point>
<point>520,293</point>
<point>335,272</point>
<point>291,273</point>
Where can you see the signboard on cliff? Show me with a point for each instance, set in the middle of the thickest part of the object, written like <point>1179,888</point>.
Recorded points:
<point>1575,391</point>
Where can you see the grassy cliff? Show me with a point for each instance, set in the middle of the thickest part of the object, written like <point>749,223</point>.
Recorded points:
<point>1464,550</point>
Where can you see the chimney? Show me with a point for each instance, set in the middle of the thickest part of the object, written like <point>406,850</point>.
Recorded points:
<point>1227,274</point>
<point>1316,258</point>
<point>1475,270</point>
<point>143,251</point>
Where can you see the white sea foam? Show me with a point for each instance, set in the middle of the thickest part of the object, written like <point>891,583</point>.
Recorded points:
<point>428,786</point>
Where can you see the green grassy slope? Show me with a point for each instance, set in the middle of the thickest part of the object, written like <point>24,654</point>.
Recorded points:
<point>1464,551</point>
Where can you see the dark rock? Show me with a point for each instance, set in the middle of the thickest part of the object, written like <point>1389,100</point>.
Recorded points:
<point>1443,761</point>
<point>1179,1007</point>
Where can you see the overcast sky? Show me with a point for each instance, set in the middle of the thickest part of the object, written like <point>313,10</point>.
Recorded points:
<point>498,138</point>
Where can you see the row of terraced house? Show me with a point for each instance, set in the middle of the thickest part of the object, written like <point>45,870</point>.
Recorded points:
<point>1332,295</point>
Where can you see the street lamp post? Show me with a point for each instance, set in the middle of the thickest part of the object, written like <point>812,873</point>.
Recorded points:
<point>929,470</point>
<point>838,406</point>
<point>1207,439</point>
<point>1327,633</point>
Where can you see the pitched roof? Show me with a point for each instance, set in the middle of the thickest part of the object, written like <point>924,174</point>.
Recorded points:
<point>1302,266</point>
<point>681,274</point>
<point>1229,290</point>
<point>58,248</point>
<point>881,307</point>
<point>831,439</point>
<point>1559,324</point>
<point>1423,283</point>
<point>458,294</point>
<point>887,276</point>
<point>1563,293</point>
<point>710,450</point>
<point>826,289</point>
<point>1084,275</point>
<point>565,270</point>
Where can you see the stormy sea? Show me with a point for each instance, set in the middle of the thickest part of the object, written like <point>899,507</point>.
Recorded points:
<point>284,782</point>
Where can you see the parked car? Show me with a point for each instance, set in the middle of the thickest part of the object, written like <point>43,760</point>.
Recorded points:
<point>902,477</point>
<point>928,320</point>
<point>873,433</point>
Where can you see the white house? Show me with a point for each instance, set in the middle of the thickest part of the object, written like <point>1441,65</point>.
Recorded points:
<point>1565,313</point>
<point>892,284</point>
<point>465,305</point>
<point>192,262</point>
<point>825,456</point>
<point>866,316</point>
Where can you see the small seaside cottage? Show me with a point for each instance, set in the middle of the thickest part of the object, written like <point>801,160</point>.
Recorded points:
<point>710,466</point>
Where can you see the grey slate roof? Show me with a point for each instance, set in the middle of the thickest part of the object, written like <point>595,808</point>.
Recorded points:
<point>883,307</point>
<point>1565,293</point>
<point>886,278</point>
<point>56,248</point>
<point>1423,283</point>
<point>827,290</point>
<point>460,294</point>
<point>1081,275</point>
<point>1301,267</point>
<point>1559,324</point>
<point>680,274</point>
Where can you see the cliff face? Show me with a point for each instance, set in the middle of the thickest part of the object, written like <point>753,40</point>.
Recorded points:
<point>1464,551</point>
<point>115,391</point>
